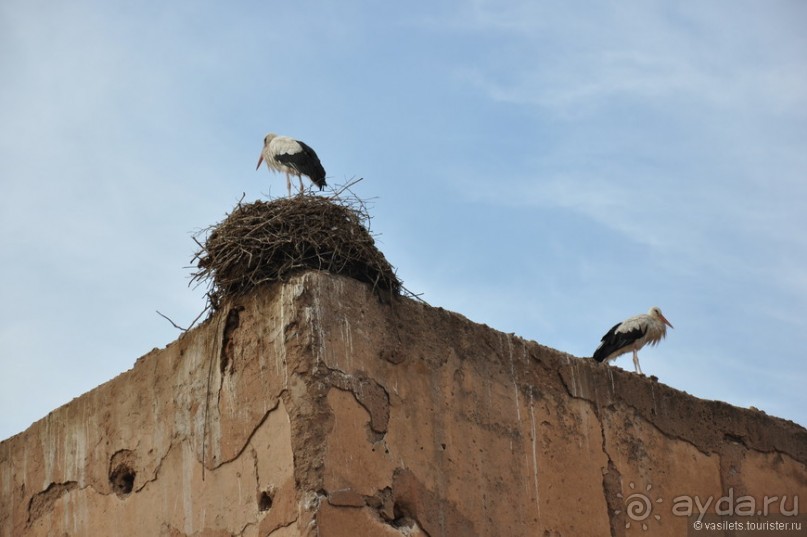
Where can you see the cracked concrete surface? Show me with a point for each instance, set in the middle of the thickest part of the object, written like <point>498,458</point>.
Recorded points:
<point>311,409</point>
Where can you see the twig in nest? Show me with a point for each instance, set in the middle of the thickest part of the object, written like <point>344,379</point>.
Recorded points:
<point>192,323</point>
<point>339,189</point>
<point>172,322</point>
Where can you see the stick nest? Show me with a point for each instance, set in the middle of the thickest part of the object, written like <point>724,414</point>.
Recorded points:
<point>268,241</point>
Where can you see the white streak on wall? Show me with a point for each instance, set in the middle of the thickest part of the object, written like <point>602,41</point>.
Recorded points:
<point>513,377</point>
<point>535,456</point>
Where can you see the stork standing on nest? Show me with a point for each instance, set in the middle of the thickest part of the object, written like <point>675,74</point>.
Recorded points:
<point>292,157</point>
<point>631,335</point>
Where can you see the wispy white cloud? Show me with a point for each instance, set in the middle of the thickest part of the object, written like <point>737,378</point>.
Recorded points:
<point>700,113</point>
<point>572,57</point>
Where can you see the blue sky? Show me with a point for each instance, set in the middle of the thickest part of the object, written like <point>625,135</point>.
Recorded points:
<point>547,168</point>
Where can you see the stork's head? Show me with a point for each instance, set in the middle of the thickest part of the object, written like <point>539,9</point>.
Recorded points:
<point>266,139</point>
<point>655,312</point>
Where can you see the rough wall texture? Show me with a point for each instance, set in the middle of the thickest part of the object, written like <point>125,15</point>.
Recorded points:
<point>310,408</point>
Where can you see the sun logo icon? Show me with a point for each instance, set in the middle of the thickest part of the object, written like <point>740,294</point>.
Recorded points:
<point>638,506</point>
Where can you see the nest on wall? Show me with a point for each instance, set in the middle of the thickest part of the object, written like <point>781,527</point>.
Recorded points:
<point>268,241</point>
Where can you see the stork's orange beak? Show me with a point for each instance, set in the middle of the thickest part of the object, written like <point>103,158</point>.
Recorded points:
<point>260,160</point>
<point>665,321</point>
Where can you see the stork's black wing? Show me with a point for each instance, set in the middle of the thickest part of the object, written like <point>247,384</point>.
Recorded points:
<point>615,340</point>
<point>306,162</point>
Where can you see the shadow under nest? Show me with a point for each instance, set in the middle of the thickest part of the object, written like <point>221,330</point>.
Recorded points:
<point>268,241</point>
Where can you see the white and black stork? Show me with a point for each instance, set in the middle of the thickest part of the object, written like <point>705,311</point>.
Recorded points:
<point>631,335</point>
<point>292,157</point>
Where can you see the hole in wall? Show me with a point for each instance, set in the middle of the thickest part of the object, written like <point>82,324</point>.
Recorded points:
<point>121,472</point>
<point>265,499</point>
<point>122,479</point>
<point>403,518</point>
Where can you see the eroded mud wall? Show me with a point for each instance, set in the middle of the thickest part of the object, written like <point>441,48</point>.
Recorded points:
<point>310,408</point>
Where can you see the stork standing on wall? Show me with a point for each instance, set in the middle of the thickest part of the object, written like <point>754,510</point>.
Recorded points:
<point>292,157</point>
<point>631,335</point>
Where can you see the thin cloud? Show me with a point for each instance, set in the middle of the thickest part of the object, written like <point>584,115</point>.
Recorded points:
<point>581,55</point>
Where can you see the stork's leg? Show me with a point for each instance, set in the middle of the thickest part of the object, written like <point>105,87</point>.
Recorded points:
<point>302,188</point>
<point>636,362</point>
<point>288,184</point>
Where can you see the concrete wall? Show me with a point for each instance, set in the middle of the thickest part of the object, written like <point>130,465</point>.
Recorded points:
<point>310,408</point>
